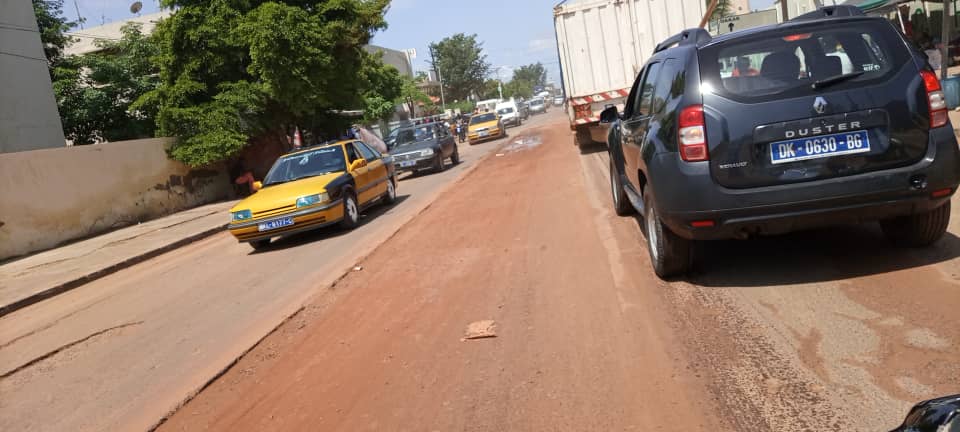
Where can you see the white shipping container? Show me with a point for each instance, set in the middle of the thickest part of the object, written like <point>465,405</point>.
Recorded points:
<point>604,43</point>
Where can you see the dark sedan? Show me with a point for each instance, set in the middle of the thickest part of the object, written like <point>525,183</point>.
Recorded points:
<point>424,147</point>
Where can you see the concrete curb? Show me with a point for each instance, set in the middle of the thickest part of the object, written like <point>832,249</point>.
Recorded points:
<point>89,277</point>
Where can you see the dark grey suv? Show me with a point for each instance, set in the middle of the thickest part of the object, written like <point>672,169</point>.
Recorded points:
<point>828,119</point>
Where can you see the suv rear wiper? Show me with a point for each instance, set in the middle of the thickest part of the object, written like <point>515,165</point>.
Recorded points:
<point>835,79</point>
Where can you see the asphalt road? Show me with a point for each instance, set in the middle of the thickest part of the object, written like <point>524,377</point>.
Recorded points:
<point>821,330</point>
<point>122,352</point>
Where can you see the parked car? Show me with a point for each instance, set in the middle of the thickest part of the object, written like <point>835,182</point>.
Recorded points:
<point>524,110</point>
<point>796,145</point>
<point>313,188</point>
<point>558,100</point>
<point>484,127</point>
<point>391,139</point>
<point>509,113</point>
<point>537,105</point>
<point>425,147</point>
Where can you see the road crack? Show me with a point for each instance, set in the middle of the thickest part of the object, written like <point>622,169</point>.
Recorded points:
<point>61,348</point>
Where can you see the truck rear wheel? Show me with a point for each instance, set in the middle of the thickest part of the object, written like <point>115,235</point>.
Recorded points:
<point>918,230</point>
<point>582,139</point>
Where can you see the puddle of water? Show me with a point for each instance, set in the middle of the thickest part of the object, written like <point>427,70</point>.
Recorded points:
<point>523,143</point>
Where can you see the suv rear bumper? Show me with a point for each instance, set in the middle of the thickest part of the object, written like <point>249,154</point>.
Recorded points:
<point>685,193</point>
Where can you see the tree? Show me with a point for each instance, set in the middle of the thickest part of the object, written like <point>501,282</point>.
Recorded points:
<point>233,70</point>
<point>411,95</point>
<point>462,63</point>
<point>383,85</point>
<point>518,88</point>
<point>490,90</point>
<point>535,74</point>
<point>53,27</point>
<point>723,9</point>
<point>100,95</point>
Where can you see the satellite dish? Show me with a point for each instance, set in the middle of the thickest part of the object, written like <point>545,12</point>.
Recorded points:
<point>135,7</point>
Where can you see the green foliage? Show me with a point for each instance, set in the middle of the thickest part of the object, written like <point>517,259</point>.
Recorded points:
<point>53,26</point>
<point>236,69</point>
<point>465,106</point>
<point>101,95</point>
<point>383,86</point>
<point>412,96</point>
<point>490,89</point>
<point>723,9</point>
<point>518,88</point>
<point>462,64</point>
<point>534,74</point>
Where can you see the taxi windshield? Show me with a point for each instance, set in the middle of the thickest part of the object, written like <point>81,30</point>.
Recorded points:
<point>306,164</point>
<point>482,118</point>
<point>415,135</point>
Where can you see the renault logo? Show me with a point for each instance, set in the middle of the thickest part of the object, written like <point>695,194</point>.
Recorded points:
<point>820,105</point>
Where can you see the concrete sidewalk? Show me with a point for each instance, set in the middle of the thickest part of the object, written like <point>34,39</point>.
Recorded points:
<point>34,278</point>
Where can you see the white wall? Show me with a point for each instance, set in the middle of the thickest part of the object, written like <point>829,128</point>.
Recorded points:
<point>28,111</point>
<point>51,196</point>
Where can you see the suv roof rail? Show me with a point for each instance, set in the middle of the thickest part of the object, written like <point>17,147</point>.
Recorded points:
<point>831,12</point>
<point>696,36</point>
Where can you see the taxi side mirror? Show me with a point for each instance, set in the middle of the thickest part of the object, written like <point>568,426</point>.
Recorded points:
<point>257,185</point>
<point>357,164</point>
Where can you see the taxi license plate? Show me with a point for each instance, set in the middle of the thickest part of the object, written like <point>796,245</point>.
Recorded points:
<point>406,164</point>
<point>483,133</point>
<point>819,147</point>
<point>274,224</point>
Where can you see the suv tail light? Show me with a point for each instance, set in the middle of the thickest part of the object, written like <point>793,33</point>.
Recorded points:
<point>692,135</point>
<point>936,101</point>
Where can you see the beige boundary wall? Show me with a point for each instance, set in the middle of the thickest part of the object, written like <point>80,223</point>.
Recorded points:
<point>49,197</point>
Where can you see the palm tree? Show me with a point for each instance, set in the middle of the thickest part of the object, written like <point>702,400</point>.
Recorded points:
<point>722,10</point>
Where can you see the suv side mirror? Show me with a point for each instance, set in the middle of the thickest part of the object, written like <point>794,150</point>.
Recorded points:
<point>357,164</point>
<point>609,115</point>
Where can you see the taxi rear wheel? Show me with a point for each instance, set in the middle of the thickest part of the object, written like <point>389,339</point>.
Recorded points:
<point>260,244</point>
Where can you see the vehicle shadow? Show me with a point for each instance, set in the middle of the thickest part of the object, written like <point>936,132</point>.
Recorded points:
<point>593,147</point>
<point>811,256</point>
<point>294,240</point>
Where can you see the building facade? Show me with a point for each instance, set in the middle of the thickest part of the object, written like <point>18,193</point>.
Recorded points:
<point>29,119</point>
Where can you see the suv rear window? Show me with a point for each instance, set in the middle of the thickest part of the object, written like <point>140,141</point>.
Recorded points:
<point>786,62</point>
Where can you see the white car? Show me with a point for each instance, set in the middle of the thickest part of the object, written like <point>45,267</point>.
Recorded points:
<point>558,100</point>
<point>537,105</point>
<point>509,113</point>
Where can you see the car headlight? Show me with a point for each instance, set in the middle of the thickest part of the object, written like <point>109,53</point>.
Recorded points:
<point>309,200</point>
<point>426,152</point>
<point>241,215</point>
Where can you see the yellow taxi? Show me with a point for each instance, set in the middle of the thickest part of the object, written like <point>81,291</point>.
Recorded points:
<point>312,188</point>
<point>485,126</point>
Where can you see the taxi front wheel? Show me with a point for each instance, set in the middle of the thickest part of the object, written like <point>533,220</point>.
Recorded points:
<point>351,213</point>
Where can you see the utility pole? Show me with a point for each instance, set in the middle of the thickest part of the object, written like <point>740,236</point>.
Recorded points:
<point>945,37</point>
<point>436,68</point>
<point>79,18</point>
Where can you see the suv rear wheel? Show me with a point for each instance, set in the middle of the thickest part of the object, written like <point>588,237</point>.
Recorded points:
<point>918,230</point>
<point>669,253</point>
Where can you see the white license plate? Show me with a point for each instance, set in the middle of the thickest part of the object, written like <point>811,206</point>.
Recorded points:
<point>819,147</point>
<point>406,164</point>
<point>274,224</point>
<point>483,133</point>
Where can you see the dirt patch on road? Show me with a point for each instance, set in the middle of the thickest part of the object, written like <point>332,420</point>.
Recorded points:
<point>580,344</point>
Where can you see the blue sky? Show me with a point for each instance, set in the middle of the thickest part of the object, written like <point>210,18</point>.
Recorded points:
<point>513,32</point>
